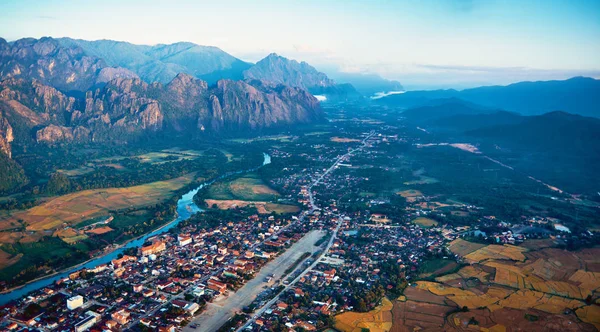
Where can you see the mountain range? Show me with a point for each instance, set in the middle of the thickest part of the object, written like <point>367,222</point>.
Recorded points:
<point>55,91</point>
<point>578,95</point>
<point>161,63</point>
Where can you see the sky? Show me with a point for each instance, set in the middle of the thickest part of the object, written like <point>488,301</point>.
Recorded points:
<point>421,43</point>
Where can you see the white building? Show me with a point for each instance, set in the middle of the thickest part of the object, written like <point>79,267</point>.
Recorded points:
<point>85,324</point>
<point>74,302</point>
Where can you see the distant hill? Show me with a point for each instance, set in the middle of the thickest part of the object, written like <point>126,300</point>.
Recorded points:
<point>456,115</point>
<point>49,62</point>
<point>366,84</point>
<point>161,63</point>
<point>551,132</point>
<point>578,95</point>
<point>467,122</point>
<point>280,70</point>
<point>442,108</point>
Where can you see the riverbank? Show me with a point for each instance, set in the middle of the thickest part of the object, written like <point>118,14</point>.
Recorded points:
<point>185,209</point>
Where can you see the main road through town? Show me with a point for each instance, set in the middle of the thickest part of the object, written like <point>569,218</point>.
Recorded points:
<point>340,221</point>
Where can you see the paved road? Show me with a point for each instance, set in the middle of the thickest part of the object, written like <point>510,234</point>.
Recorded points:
<point>218,312</point>
<point>340,221</point>
<point>293,283</point>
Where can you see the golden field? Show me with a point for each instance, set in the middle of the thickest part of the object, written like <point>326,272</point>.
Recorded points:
<point>376,320</point>
<point>71,209</point>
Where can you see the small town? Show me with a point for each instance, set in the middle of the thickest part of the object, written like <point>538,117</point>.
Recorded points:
<point>305,268</point>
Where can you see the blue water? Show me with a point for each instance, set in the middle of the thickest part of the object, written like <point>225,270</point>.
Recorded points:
<point>185,209</point>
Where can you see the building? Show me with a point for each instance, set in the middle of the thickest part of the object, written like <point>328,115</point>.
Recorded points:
<point>122,316</point>
<point>74,302</point>
<point>154,248</point>
<point>85,324</point>
<point>184,240</point>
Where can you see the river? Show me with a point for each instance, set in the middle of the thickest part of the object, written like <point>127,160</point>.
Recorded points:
<point>185,209</point>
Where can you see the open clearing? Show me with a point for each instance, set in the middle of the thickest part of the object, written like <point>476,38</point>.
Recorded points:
<point>74,208</point>
<point>344,140</point>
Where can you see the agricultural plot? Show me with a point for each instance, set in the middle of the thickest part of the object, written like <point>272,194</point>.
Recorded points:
<point>158,157</point>
<point>70,235</point>
<point>262,207</point>
<point>509,286</point>
<point>7,259</point>
<point>411,315</point>
<point>507,319</point>
<point>494,251</point>
<point>462,248</point>
<point>74,208</point>
<point>435,267</point>
<point>467,272</point>
<point>425,222</point>
<point>376,320</point>
<point>410,195</point>
<point>247,188</point>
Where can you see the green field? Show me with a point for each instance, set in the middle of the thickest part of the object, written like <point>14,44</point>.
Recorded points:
<point>247,188</point>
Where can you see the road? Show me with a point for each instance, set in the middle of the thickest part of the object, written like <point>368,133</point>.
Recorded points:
<point>340,221</point>
<point>312,207</point>
<point>293,283</point>
<point>218,312</point>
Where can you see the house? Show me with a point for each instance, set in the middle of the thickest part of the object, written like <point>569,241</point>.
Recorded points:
<point>217,286</point>
<point>184,240</point>
<point>153,248</point>
<point>122,316</point>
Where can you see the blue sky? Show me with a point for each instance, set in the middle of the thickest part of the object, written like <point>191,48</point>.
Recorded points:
<point>422,43</point>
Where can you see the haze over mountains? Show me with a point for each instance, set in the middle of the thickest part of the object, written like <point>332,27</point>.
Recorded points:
<point>161,63</point>
<point>578,95</point>
<point>69,90</point>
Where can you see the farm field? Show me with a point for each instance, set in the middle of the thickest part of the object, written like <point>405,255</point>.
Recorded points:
<point>462,248</point>
<point>435,267</point>
<point>7,259</point>
<point>507,286</point>
<point>376,320</point>
<point>74,208</point>
<point>246,188</point>
<point>425,222</point>
<point>262,207</point>
<point>503,287</point>
<point>156,157</point>
<point>410,195</point>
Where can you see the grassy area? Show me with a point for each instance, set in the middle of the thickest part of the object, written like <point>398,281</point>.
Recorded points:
<point>246,188</point>
<point>425,222</point>
<point>435,267</point>
<point>118,162</point>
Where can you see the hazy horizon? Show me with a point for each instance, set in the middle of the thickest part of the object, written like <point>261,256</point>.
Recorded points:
<point>422,44</point>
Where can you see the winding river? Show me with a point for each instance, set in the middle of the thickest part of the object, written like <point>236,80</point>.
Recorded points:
<point>185,209</point>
